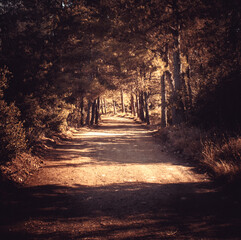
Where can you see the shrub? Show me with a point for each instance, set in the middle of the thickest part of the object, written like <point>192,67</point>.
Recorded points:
<point>223,160</point>
<point>19,168</point>
<point>12,133</point>
<point>182,139</point>
<point>4,74</point>
<point>45,116</point>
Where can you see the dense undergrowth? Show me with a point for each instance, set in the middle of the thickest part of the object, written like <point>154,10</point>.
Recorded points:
<point>218,155</point>
<point>19,136</point>
<point>23,125</point>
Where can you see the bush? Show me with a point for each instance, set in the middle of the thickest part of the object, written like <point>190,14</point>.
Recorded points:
<point>223,160</point>
<point>19,168</point>
<point>45,116</point>
<point>182,139</point>
<point>12,133</point>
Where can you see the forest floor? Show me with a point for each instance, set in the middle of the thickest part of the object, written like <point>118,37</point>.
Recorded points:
<point>115,182</point>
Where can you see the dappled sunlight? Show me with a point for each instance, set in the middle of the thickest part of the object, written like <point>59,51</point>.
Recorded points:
<point>93,173</point>
<point>105,133</point>
<point>100,134</point>
<point>115,186</point>
<point>102,157</point>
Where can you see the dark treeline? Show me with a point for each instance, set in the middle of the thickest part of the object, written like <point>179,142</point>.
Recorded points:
<point>58,58</point>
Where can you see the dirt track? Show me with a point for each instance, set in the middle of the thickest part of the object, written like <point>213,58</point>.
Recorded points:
<point>114,182</point>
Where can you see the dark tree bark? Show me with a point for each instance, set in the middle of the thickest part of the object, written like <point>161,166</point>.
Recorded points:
<point>185,97</point>
<point>82,111</point>
<point>163,102</point>
<point>97,111</point>
<point>93,112</point>
<point>169,80</point>
<point>122,102</point>
<point>141,100</point>
<point>133,107</point>
<point>87,122</point>
<point>78,124</point>
<point>179,112</point>
<point>137,105</point>
<point>102,105</point>
<point>176,48</point>
<point>189,89</point>
<point>114,107</point>
<point>147,108</point>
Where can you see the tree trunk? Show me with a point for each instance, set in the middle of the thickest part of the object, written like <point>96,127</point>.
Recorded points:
<point>137,106</point>
<point>184,92</point>
<point>97,111</point>
<point>176,48</point>
<point>105,110</point>
<point>133,107</point>
<point>87,122</point>
<point>147,108</point>
<point>176,71</point>
<point>114,107</point>
<point>169,80</point>
<point>167,76</point>
<point>122,102</point>
<point>78,112</point>
<point>173,108</point>
<point>141,100</point>
<point>179,108</point>
<point>102,106</point>
<point>179,112</point>
<point>163,102</point>
<point>93,112</point>
<point>82,111</point>
<point>189,85</point>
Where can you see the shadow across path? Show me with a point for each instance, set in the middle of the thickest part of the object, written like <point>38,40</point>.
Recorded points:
<point>114,182</point>
<point>120,211</point>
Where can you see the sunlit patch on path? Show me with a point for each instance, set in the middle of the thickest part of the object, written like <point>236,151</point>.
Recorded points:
<point>118,151</point>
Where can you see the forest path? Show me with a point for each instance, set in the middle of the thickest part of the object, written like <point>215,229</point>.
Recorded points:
<point>114,182</point>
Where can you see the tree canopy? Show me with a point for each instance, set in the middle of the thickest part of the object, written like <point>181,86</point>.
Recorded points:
<point>181,57</point>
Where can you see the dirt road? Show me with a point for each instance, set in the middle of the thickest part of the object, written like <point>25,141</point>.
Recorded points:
<point>115,182</point>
